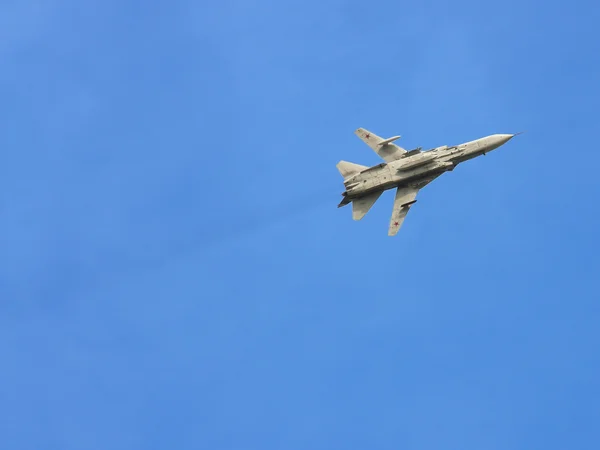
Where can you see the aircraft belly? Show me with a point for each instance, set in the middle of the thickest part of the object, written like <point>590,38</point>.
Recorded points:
<point>382,180</point>
<point>389,184</point>
<point>379,187</point>
<point>463,158</point>
<point>422,175</point>
<point>389,178</point>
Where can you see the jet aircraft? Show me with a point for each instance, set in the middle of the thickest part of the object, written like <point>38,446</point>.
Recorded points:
<point>408,171</point>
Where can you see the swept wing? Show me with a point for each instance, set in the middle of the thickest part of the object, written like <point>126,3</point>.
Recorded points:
<point>383,147</point>
<point>405,198</point>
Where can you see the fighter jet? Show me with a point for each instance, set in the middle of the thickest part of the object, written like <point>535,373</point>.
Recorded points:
<point>408,171</point>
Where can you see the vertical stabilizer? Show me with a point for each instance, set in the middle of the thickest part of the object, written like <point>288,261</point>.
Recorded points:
<point>347,169</point>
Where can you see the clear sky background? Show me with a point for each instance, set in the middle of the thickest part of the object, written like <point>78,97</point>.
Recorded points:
<point>174,272</point>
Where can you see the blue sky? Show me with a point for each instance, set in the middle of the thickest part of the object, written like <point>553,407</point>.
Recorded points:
<point>175,273</point>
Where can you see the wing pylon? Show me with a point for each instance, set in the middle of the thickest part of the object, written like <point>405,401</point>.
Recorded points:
<point>383,147</point>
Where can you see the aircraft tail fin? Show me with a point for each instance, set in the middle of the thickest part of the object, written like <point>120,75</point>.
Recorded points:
<point>347,169</point>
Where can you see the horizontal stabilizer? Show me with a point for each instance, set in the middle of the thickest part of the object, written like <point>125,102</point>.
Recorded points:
<point>383,147</point>
<point>362,205</point>
<point>347,169</point>
<point>344,202</point>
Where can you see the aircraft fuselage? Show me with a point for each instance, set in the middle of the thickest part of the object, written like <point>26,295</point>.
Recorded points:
<point>419,168</point>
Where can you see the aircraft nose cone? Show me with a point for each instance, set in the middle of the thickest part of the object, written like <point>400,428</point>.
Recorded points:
<point>504,138</point>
